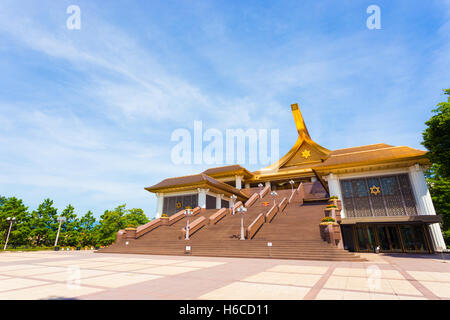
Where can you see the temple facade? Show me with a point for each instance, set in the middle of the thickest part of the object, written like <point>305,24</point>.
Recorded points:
<point>385,202</point>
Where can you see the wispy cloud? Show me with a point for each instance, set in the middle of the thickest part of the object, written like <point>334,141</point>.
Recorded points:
<point>86,115</point>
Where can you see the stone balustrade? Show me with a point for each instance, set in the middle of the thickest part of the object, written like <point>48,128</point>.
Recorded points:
<point>216,217</point>
<point>255,225</point>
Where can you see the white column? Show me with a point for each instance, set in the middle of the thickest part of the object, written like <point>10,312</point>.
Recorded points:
<point>219,201</point>
<point>202,197</point>
<point>313,179</point>
<point>247,185</point>
<point>239,182</point>
<point>268,184</point>
<point>159,204</point>
<point>425,204</point>
<point>335,190</point>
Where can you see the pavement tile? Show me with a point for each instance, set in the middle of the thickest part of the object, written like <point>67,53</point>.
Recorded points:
<point>166,270</point>
<point>68,274</point>
<point>299,269</point>
<point>53,291</point>
<point>431,276</point>
<point>118,280</point>
<point>32,271</point>
<point>440,289</point>
<point>255,291</point>
<point>305,280</point>
<point>199,264</point>
<point>122,267</point>
<point>17,283</point>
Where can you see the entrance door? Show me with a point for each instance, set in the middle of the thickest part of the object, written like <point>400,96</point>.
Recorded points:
<point>365,236</point>
<point>414,238</point>
<point>389,239</point>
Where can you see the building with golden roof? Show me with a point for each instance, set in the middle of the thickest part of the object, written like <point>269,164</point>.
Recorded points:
<point>382,190</point>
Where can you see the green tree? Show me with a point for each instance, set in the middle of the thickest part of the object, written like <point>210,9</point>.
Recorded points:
<point>437,140</point>
<point>114,220</point>
<point>20,231</point>
<point>87,229</point>
<point>43,224</point>
<point>70,234</point>
<point>135,217</point>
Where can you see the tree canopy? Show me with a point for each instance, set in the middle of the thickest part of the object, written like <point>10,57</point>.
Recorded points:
<point>437,140</point>
<point>39,227</point>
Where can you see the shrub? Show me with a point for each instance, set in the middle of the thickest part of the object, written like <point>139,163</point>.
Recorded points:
<point>328,219</point>
<point>446,235</point>
<point>334,197</point>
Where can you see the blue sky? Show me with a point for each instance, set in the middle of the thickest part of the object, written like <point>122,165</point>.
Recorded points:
<point>86,115</point>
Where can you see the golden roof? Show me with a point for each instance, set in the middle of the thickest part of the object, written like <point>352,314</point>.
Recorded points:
<point>305,157</point>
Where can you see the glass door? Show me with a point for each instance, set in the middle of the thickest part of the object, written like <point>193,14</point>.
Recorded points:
<point>414,238</point>
<point>365,238</point>
<point>388,238</point>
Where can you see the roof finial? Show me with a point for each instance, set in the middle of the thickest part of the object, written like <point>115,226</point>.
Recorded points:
<point>299,122</point>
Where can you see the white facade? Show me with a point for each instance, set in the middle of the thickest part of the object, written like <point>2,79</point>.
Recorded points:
<point>422,195</point>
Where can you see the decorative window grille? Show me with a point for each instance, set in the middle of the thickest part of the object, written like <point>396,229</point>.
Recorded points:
<point>378,196</point>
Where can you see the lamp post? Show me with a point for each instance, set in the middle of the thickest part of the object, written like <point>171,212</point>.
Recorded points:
<point>60,220</point>
<point>188,212</point>
<point>11,221</point>
<point>274,195</point>
<point>260,186</point>
<point>233,199</point>
<point>292,185</point>
<point>242,210</point>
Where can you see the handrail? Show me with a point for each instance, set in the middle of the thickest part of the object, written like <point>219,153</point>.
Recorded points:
<point>282,204</point>
<point>271,213</point>
<point>194,226</point>
<point>180,215</point>
<point>176,217</point>
<point>237,205</point>
<point>255,225</point>
<point>141,230</point>
<point>264,192</point>
<point>292,196</point>
<point>301,192</point>
<point>251,201</point>
<point>216,217</point>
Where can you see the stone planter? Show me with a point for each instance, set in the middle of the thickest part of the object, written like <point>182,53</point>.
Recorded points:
<point>330,212</point>
<point>130,233</point>
<point>331,233</point>
<point>336,202</point>
<point>164,221</point>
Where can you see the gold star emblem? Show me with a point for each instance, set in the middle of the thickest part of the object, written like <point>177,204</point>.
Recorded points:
<point>375,190</point>
<point>306,154</point>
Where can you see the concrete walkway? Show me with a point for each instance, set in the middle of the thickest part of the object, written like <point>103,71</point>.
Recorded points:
<point>88,275</point>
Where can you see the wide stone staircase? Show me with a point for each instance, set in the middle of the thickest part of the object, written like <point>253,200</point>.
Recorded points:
<point>292,234</point>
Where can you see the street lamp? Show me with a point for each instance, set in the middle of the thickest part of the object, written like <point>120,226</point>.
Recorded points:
<point>292,185</point>
<point>260,186</point>
<point>233,199</point>
<point>60,220</point>
<point>242,210</point>
<point>274,195</point>
<point>188,212</point>
<point>11,221</point>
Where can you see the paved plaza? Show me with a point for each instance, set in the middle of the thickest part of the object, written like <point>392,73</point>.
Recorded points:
<point>89,275</point>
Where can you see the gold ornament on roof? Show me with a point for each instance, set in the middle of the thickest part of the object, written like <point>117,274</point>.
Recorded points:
<point>375,190</point>
<point>306,154</point>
